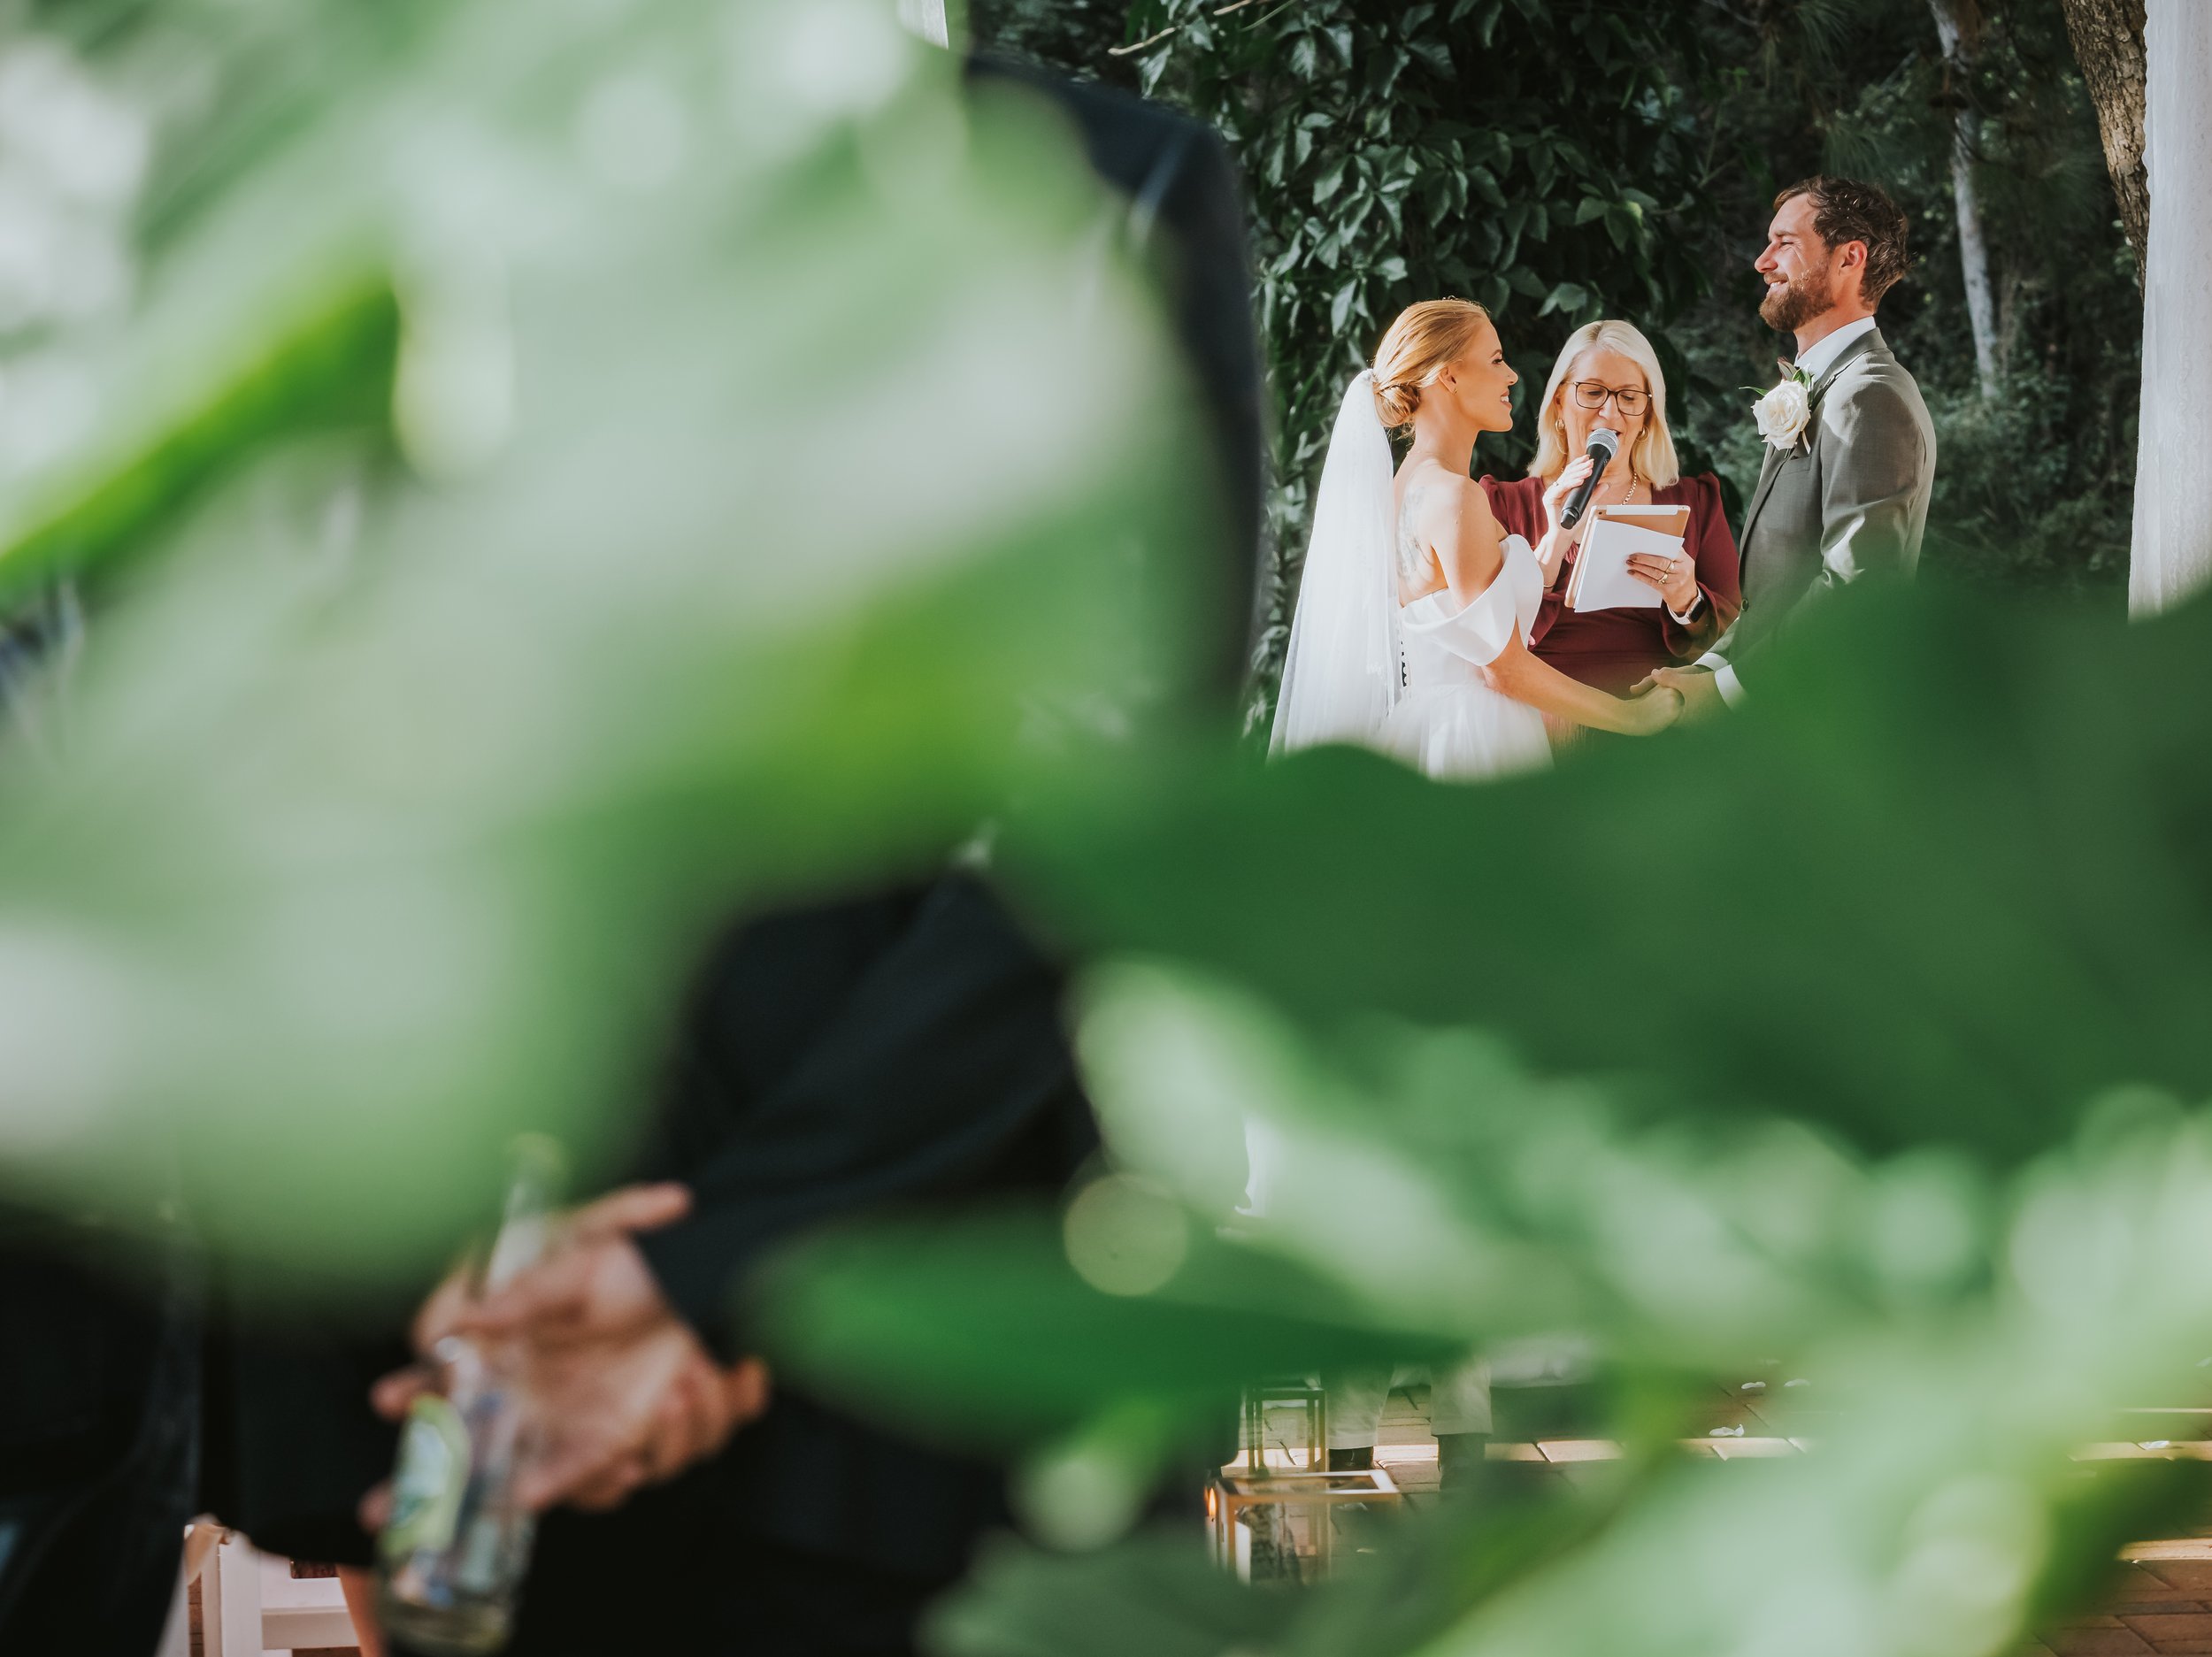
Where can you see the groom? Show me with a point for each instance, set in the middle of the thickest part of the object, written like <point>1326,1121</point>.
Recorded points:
<point>1851,452</point>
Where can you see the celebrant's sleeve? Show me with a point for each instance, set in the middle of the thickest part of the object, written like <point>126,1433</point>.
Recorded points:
<point>948,1061</point>
<point>1719,578</point>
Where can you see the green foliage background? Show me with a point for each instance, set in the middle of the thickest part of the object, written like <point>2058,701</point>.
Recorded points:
<point>1565,159</point>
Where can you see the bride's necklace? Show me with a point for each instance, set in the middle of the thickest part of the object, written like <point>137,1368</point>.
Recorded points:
<point>1628,494</point>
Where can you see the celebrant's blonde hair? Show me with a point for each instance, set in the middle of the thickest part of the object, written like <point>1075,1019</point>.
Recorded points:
<point>1652,454</point>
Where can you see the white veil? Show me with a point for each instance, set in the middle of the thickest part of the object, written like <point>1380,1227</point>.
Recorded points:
<point>1340,677</point>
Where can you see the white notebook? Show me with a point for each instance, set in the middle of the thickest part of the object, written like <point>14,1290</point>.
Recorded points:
<point>1601,579</point>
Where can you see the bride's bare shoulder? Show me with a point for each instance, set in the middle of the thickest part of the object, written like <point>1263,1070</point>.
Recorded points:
<point>1432,492</point>
<point>1457,520</point>
<point>1473,501</point>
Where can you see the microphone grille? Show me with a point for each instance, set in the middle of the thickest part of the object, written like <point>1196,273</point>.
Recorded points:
<point>1606,438</point>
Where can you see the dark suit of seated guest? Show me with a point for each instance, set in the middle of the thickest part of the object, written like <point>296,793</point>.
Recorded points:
<point>886,1051</point>
<point>1609,375</point>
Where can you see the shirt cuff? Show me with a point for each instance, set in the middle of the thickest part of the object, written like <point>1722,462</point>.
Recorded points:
<point>1724,681</point>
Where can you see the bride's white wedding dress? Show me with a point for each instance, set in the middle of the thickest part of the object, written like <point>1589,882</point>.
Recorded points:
<point>1406,679</point>
<point>1449,722</point>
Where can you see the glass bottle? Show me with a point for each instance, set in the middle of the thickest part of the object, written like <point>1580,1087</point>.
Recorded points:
<point>455,1547</point>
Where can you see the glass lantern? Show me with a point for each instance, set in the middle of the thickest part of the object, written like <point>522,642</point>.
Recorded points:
<point>1274,1514</point>
<point>1282,1527</point>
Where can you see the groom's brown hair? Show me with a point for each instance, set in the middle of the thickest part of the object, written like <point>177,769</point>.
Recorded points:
<point>1849,210</point>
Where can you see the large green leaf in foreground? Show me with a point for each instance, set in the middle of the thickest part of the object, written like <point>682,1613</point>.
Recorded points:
<point>1814,1044</point>
<point>1944,881</point>
<point>730,542</point>
<point>1963,1341</point>
<point>1143,1308</point>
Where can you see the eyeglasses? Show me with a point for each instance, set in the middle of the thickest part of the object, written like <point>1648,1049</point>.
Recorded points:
<point>1630,400</point>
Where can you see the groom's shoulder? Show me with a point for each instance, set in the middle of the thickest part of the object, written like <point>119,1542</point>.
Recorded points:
<point>1878,364</point>
<point>1876,378</point>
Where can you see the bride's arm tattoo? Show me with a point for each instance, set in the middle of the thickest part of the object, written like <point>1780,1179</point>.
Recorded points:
<point>1410,547</point>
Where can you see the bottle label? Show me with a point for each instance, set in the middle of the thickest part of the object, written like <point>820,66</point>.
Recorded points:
<point>430,1480</point>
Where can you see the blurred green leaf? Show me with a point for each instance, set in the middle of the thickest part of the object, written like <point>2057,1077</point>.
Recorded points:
<point>1936,1509</point>
<point>1936,884</point>
<point>984,1330</point>
<point>1160,1596</point>
<point>331,370</point>
<point>402,787</point>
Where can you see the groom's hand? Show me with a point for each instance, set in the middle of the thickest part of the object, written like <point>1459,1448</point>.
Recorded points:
<point>1698,690</point>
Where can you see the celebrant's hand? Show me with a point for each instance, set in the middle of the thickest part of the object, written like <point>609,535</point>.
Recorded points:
<point>1675,577</point>
<point>1555,498</point>
<point>1700,691</point>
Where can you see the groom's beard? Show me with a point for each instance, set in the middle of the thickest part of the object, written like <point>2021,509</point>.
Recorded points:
<point>1787,310</point>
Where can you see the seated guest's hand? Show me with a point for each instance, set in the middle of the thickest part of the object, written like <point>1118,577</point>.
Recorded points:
<point>625,1393</point>
<point>1700,691</point>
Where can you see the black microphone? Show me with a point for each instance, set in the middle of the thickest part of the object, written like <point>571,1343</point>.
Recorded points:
<point>1604,444</point>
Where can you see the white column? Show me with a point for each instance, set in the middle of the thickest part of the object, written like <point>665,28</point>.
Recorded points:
<point>926,18</point>
<point>2173,479</point>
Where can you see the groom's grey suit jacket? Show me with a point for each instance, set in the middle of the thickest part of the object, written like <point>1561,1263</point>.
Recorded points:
<point>1849,501</point>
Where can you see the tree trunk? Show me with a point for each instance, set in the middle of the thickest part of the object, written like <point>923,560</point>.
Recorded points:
<point>2108,36</point>
<point>1958,25</point>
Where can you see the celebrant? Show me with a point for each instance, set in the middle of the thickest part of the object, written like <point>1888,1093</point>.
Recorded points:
<point>1608,375</point>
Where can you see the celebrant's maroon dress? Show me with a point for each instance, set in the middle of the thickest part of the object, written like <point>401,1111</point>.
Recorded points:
<point>1613,649</point>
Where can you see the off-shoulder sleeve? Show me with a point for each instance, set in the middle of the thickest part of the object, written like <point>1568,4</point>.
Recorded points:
<point>1480,630</point>
<point>1518,505</point>
<point>1719,575</point>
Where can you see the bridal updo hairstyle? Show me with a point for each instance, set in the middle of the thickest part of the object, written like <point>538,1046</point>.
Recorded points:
<point>1426,339</point>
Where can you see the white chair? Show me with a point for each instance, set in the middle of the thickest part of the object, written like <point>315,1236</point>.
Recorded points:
<point>250,1604</point>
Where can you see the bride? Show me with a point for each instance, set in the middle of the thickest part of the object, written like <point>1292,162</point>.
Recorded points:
<point>1411,630</point>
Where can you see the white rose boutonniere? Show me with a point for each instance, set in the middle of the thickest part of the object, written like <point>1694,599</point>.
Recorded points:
<point>1785,412</point>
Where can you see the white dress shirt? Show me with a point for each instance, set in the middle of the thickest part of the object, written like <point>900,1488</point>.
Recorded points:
<point>1815,360</point>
